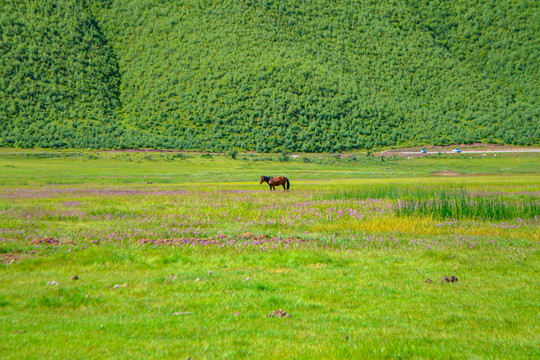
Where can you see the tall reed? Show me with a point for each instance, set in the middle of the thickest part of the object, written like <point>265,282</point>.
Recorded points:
<point>447,202</point>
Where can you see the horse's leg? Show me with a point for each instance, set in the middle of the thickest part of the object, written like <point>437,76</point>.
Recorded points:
<point>284,188</point>
<point>270,187</point>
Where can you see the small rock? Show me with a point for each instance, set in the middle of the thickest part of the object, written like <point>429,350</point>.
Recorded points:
<point>52,283</point>
<point>428,281</point>
<point>451,279</point>
<point>346,337</point>
<point>74,277</point>
<point>182,313</point>
<point>172,277</point>
<point>117,286</point>
<point>279,313</point>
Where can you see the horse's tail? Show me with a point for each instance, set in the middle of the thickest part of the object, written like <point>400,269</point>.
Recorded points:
<point>288,184</point>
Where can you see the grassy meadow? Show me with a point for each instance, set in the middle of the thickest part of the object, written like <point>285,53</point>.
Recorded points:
<point>186,255</point>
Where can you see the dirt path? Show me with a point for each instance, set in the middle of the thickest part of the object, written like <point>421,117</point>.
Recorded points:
<point>465,149</point>
<point>479,151</point>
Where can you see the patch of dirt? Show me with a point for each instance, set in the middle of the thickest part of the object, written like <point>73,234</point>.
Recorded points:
<point>248,236</point>
<point>316,266</point>
<point>446,173</point>
<point>428,281</point>
<point>279,313</point>
<point>457,173</point>
<point>11,257</point>
<point>279,271</point>
<point>46,240</point>
<point>159,151</point>
<point>259,239</point>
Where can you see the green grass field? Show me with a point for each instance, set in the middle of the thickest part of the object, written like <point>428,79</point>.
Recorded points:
<point>186,255</point>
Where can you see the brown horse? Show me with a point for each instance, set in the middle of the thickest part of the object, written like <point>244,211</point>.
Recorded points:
<point>276,181</point>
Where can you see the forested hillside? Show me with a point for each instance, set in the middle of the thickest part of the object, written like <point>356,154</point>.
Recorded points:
<point>59,79</point>
<point>289,75</point>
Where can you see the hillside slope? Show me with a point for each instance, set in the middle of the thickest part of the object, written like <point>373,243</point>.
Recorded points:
<point>292,75</point>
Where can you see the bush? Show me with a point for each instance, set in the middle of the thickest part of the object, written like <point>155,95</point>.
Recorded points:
<point>284,157</point>
<point>233,154</point>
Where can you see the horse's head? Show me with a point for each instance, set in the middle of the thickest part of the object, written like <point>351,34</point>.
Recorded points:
<point>263,179</point>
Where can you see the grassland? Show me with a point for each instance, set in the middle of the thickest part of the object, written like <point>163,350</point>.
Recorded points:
<point>185,255</point>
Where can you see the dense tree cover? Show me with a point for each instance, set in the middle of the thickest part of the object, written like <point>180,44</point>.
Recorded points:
<point>59,80</point>
<point>289,75</point>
